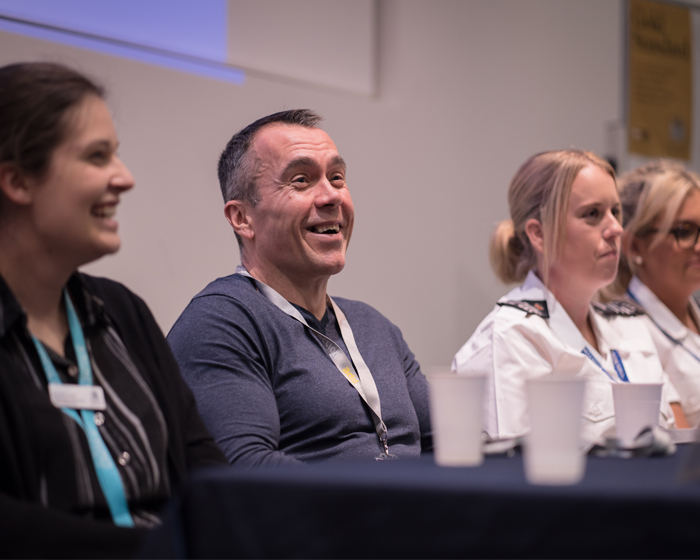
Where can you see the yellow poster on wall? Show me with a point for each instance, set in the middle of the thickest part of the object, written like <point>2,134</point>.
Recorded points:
<point>660,80</point>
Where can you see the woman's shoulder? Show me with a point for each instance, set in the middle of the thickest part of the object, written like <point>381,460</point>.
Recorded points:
<point>511,324</point>
<point>623,325</point>
<point>526,303</point>
<point>114,298</point>
<point>521,305</point>
<point>618,309</point>
<point>526,308</point>
<point>106,287</point>
<point>624,317</point>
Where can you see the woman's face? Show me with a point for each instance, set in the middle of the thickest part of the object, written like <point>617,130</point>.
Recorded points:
<point>589,257</point>
<point>73,207</point>
<point>665,267</point>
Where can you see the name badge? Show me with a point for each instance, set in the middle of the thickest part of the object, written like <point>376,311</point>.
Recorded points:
<point>87,397</point>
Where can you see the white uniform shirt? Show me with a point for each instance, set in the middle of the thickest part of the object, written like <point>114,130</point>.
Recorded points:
<point>510,346</point>
<point>680,361</point>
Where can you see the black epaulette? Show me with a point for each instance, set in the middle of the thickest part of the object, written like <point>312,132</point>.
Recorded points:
<point>617,309</point>
<point>529,306</point>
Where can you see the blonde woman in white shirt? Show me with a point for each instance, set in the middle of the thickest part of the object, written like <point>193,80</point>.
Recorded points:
<point>563,243</point>
<point>660,268</point>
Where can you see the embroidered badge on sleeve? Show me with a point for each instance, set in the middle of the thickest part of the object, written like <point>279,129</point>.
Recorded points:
<point>617,309</point>
<point>529,306</point>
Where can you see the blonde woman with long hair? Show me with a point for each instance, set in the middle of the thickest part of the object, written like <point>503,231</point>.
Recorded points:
<point>660,268</point>
<point>562,244</point>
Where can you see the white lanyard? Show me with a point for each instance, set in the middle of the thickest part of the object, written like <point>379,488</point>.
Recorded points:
<point>361,378</point>
<point>667,335</point>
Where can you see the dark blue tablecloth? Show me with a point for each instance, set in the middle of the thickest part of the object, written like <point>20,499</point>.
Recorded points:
<point>624,508</point>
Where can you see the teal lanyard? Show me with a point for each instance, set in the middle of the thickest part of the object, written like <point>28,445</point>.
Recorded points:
<point>107,472</point>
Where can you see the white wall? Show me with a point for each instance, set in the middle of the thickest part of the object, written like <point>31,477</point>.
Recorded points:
<point>467,90</point>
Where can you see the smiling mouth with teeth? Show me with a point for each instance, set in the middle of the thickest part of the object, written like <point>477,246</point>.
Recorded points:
<point>104,211</point>
<point>335,228</point>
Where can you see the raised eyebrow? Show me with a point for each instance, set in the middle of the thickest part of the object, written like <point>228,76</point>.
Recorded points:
<point>338,161</point>
<point>303,161</point>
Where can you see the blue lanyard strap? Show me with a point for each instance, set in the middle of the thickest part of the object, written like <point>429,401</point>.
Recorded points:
<point>667,335</point>
<point>617,363</point>
<point>107,472</point>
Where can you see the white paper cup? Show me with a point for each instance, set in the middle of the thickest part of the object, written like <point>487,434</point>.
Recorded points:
<point>456,415</point>
<point>553,453</point>
<point>636,407</point>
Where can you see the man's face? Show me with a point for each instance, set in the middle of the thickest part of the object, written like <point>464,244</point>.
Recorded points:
<point>303,221</point>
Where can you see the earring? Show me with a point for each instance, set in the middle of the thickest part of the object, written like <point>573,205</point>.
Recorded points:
<point>637,259</point>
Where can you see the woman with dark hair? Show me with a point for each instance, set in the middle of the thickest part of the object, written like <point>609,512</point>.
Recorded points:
<point>562,244</point>
<point>97,428</point>
<point>660,268</point>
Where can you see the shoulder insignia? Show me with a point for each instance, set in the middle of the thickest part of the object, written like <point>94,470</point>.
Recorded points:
<point>617,309</point>
<point>529,306</point>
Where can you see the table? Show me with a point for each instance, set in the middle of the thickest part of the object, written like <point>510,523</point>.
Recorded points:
<point>624,508</point>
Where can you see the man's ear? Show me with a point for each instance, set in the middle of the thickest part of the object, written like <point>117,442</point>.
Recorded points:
<point>535,233</point>
<point>237,214</point>
<point>14,185</point>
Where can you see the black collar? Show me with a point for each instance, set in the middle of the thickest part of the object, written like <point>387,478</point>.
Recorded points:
<point>89,307</point>
<point>11,311</point>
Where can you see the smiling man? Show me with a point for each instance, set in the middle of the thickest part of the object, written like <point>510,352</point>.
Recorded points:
<point>282,372</point>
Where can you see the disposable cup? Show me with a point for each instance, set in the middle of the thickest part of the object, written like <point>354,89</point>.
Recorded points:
<point>553,453</point>
<point>636,408</point>
<point>456,415</point>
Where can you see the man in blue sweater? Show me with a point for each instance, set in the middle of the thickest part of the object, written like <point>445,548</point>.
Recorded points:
<point>281,372</point>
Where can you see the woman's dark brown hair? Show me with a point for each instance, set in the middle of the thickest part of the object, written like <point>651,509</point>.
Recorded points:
<point>35,103</point>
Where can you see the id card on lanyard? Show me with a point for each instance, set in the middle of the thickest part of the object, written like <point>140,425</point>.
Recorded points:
<point>87,398</point>
<point>355,371</point>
